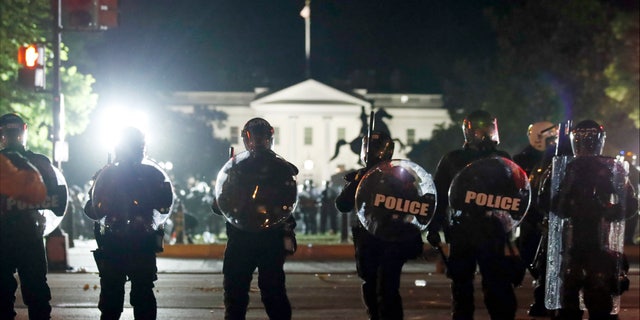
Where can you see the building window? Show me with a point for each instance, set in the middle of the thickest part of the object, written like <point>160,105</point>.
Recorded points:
<point>276,135</point>
<point>308,136</point>
<point>411,136</point>
<point>234,135</point>
<point>342,133</point>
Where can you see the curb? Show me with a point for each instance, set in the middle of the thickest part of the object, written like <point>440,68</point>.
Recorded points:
<point>307,252</point>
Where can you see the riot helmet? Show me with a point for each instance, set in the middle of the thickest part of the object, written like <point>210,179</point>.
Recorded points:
<point>131,145</point>
<point>587,138</point>
<point>13,131</point>
<point>480,129</point>
<point>257,134</point>
<point>377,148</point>
<point>542,134</point>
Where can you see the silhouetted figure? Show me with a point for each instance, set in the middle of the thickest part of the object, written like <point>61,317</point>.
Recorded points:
<point>22,227</point>
<point>256,192</point>
<point>130,201</point>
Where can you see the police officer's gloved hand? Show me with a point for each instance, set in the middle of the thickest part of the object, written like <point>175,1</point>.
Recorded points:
<point>290,241</point>
<point>433,237</point>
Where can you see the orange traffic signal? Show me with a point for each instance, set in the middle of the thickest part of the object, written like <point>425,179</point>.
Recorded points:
<point>32,73</point>
<point>31,56</point>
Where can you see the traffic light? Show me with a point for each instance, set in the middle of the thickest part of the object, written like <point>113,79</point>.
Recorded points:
<point>32,59</point>
<point>89,15</point>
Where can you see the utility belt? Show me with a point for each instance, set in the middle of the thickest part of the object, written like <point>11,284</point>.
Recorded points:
<point>129,237</point>
<point>463,217</point>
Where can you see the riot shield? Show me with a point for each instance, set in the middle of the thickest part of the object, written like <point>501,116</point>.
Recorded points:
<point>256,193</point>
<point>55,207</point>
<point>495,187</point>
<point>132,195</point>
<point>555,242</point>
<point>395,200</point>
<point>586,230</point>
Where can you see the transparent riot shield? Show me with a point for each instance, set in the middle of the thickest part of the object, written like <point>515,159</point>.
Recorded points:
<point>129,195</point>
<point>555,243</point>
<point>256,193</point>
<point>55,207</point>
<point>495,187</point>
<point>586,231</point>
<point>395,200</point>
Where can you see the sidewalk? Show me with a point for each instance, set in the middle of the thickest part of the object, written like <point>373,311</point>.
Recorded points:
<point>308,259</point>
<point>80,259</point>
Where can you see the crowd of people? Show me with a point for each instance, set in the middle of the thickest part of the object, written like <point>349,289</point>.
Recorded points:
<point>559,210</point>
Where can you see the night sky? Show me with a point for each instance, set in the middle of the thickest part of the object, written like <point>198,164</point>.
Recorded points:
<point>239,45</point>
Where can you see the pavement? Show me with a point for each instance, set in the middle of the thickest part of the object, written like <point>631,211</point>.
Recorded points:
<point>320,286</point>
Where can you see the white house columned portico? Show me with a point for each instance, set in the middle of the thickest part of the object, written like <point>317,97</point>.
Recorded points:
<point>310,118</point>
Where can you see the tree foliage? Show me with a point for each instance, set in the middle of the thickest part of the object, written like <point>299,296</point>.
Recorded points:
<point>556,61</point>
<point>30,21</point>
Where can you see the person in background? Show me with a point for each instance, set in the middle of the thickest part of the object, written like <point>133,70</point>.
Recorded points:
<point>473,244</point>
<point>534,159</point>
<point>378,262</point>
<point>129,200</point>
<point>328,211</point>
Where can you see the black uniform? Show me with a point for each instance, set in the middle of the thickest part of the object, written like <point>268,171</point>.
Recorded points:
<point>593,196</point>
<point>22,247</point>
<point>470,244</point>
<point>256,191</point>
<point>533,226</point>
<point>263,249</point>
<point>21,229</point>
<point>125,198</point>
<point>481,243</point>
<point>378,262</point>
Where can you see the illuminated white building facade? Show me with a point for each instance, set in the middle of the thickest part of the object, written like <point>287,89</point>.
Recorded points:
<point>310,118</point>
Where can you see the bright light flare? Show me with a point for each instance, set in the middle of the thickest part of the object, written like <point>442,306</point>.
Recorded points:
<point>113,120</point>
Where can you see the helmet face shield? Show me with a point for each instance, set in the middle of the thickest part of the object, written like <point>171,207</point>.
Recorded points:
<point>542,135</point>
<point>480,127</point>
<point>257,134</point>
<point>13,131</point>
<point>587,138</point>
<point>377,149</point>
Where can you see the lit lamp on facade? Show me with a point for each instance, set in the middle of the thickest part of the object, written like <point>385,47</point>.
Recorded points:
<point>308,165</point>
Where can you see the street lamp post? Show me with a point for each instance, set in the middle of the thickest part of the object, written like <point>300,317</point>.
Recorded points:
<point>57,136</point>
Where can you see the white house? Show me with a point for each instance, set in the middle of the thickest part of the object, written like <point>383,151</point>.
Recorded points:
<point>310,118</point>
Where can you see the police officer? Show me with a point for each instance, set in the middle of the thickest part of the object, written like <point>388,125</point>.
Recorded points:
<point>308,204</point>
<point>473,243</point>
<point>595,197</point>
<point>379,262</point>
<point>256,192</point>
<point>328,211</point>
<point>21,230</point>
<point>131,198</point>
<point>534,159</point>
